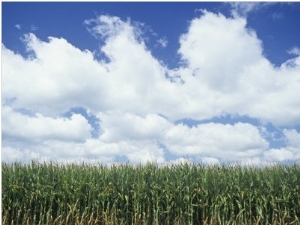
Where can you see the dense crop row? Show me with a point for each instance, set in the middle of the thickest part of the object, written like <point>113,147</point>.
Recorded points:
<point>180,194</point>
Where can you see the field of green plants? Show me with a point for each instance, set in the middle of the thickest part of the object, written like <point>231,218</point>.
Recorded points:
<point>52,193</point>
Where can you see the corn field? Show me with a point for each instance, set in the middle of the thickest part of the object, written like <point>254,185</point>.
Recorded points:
<point>52,193</point>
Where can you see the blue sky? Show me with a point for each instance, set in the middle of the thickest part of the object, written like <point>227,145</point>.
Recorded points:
<point>163,82</point>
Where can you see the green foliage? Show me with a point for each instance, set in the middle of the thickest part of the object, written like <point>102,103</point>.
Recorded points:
<point>52,193</point>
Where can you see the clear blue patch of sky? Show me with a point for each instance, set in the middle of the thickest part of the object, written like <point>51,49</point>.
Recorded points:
<point>26,112</point>
<point>226,119</point>
<point>49,19</point>
<point>277,26</point>
<point>121,159</point>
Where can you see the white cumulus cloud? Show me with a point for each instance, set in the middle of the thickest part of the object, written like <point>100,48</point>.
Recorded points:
<point>137,99</point>
<point>41,128</point>
<point>230,142</point>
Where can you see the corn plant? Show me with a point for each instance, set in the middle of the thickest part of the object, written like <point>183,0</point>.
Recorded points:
<point>52,193</point>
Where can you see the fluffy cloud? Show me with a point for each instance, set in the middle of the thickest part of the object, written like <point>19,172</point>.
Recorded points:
<point>137,99</point>
<point>233,49</point>
<point>92,150</point>
<point>40,128</point>
<point>229,142</point>
<point>292,137</point>
<point>118,126</point>
<point>56,77</point>
<point>231,75</point>
<point>225,73</point>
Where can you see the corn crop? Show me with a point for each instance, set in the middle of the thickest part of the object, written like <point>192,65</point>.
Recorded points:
<point>52,193</point>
